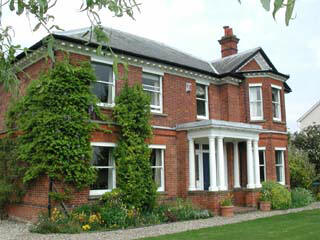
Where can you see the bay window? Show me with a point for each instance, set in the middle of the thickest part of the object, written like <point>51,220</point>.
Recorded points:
<point>276,104</point>
<point>256,102</point>
<point>202,101</point>
<point>152,85</point>
<point>104,87</point>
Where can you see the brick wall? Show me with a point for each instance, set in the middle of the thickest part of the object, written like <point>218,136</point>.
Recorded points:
<point>226,102</point>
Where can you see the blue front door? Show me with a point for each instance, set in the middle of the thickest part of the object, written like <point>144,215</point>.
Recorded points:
<point>206,173</point>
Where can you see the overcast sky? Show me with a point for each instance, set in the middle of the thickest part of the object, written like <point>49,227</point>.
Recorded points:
<point>194,26</point>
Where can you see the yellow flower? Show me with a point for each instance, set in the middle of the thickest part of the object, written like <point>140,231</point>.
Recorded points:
<point>86,227</point>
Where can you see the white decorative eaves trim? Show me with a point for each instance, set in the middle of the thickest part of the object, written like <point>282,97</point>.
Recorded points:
<point>265,75</point>
<point>31,58</point>
<point>36,55</point>
<point>135,61</point>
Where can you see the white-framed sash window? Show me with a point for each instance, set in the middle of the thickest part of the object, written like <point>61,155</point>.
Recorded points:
<point>202,101</point>
<point>157,165</point>
<point>262,164</point>
<point>256,101</point>
<point>276,103</point>
<point>152,85</point>
<point>104,87</point>
<point>279,160</point>
<point>104,163</point>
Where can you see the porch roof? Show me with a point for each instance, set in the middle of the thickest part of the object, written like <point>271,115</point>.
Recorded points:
<point>219,124</point>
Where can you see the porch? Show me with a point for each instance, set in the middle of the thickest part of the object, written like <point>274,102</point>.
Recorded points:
<point>223,156</point>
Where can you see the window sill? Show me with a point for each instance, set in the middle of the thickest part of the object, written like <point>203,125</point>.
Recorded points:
<point>258,121</point>
<point>199,118</point>
<point>105,106</point>
<point>278,121</point>
<point>159,114</point>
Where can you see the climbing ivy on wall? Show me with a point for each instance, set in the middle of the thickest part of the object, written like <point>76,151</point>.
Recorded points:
<point>132,154</point>
<point>54,125</point>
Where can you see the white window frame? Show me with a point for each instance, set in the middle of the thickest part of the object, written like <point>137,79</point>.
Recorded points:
<point>162,148</point>
<point>256,118</point>
<point>102,191</point>
<point>155,108</point>
<point>264,162</point>
<point>206,100</point>
<point>282,150</point>
<point>109,63</point>
<point>278,104</point>
<point>113,145</point>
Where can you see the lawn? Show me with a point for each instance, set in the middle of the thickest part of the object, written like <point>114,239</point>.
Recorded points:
<point>295,226</point>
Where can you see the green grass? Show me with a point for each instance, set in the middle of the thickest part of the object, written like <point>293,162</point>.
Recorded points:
<point>295,226</point>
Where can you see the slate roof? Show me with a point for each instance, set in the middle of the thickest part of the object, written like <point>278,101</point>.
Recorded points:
<point>228,64</point>
<point>144,47</point>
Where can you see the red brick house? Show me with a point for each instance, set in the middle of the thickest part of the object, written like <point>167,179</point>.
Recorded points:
<point>218,126</point>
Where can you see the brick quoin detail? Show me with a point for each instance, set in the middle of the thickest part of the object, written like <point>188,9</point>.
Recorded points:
<point>227,102</point>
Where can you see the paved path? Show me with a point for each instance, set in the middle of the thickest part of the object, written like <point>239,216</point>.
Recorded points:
<point>19,231</point>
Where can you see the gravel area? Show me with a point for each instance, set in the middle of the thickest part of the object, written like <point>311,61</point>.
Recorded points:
<point>19,231</point>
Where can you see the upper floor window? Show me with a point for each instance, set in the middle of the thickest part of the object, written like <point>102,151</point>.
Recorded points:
<point>276,104</point>
<point>202,101</point>
<point>152,85</point>
<point>104,87</point>
<point>256,103</point>
<point>279,155</point>
<point>104,163</point>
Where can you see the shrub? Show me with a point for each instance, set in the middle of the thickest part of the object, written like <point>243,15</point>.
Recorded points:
<point>93,217</point>
<point>227,200</point>
<point>5,192</point>
<point>280,196</point>
<point>318,196</point>
<point>301,197</point>
<point>54,118</point>
<point>181,210</point>
<point>132,154</point>
<point>114,217</point>
<point>302,172</point>
<point>58,223</point>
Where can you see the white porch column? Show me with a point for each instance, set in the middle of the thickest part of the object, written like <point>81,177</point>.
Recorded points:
<point>221,164</point>
<point>250,176</point>
<point>236,168</point>
<point>212,163</point>
<point>256,163</point>
<point>192,173</point>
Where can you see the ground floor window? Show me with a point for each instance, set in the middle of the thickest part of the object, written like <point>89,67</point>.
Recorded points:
<point>103,161</point>
<point>157,165</point>
<point>262,164</point>
<point>279,159</point>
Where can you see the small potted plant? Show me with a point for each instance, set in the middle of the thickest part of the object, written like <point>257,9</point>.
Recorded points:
<point>226,206</point>
<point>265,200</point>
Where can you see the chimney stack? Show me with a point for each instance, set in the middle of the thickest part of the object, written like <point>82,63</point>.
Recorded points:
<point>229,42</point>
